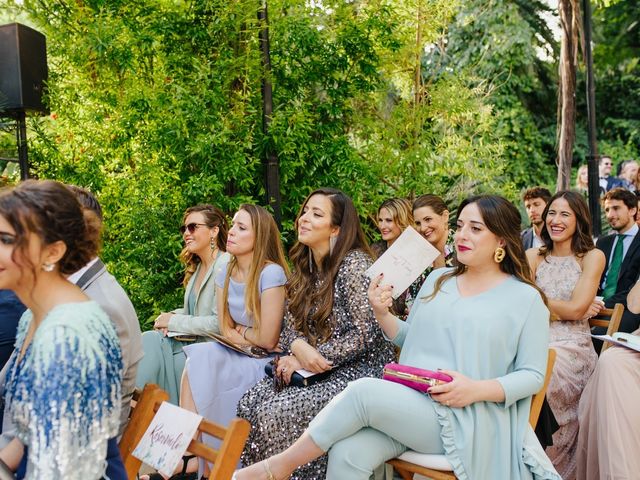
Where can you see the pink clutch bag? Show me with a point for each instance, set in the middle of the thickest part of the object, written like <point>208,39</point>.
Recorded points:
<point>416,378</point>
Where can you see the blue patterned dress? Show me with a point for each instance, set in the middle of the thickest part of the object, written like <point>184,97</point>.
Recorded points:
<point>64,393</point>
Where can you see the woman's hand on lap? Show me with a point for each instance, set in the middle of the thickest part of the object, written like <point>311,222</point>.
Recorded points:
<point>594,309</point>
<point>162,323</point>
<point>286,366</point>
<point>235,337</point>
<point>309,358</point>
<point>458,393</point>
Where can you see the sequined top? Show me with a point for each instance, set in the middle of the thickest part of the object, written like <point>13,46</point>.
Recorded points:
<point>64,394</point>
<point>355,332</point>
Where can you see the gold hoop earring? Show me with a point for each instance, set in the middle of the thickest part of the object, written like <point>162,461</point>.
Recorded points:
<point>499,254</point>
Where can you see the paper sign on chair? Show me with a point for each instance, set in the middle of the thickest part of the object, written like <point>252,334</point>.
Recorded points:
<point>167,438</point>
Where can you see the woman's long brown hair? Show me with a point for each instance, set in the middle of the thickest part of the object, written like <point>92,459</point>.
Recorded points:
<point>311,304</point>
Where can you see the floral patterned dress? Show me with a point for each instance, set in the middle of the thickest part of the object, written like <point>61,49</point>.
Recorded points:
<point>575,361</point>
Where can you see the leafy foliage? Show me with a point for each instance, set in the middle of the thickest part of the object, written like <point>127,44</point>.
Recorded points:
<point>156,106</point>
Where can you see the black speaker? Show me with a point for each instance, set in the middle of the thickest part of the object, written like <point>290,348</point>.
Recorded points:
<point>23,69</point>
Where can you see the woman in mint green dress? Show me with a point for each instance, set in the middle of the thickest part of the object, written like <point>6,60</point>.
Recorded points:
<point>204,231</point>
<point>487,326</point>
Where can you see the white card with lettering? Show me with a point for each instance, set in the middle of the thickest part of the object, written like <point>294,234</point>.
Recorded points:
<point>167,438</point>
<point>404,261</point>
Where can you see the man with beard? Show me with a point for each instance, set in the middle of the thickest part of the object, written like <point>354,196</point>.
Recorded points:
<point>535,199</point>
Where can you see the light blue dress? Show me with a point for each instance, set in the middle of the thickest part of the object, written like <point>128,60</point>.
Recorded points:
<point>502,334</point>
<point>219,376</point>
<point>64,394</point>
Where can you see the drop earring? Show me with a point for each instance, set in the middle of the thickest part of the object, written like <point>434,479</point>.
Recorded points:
<point>310,261</point>
<point>48,267</point>
<point>332,244</point>
<point>499,254</point>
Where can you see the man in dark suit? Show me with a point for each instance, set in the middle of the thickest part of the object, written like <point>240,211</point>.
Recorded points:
<point>607,181</point>
<point>535,200</point>
<point>622,251</point>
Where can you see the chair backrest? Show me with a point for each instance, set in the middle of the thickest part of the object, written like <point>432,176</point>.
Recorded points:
<point>144,406</point>
<point>610,319</point>
<point>538,398</point>
<point>224,460</point>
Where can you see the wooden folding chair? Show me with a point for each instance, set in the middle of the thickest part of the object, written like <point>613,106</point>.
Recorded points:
<point>437,467</point>
<point>144,406</point>
<point>610,319</point>
<point>224,460</point>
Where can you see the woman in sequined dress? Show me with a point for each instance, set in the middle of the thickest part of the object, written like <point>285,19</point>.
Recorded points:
<point>329,325</point>
<point>63,386</point>
<point>431,218</point>
<point>568,268</point>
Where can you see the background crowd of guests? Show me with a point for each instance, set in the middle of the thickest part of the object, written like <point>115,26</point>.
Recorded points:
<point>494,293</point>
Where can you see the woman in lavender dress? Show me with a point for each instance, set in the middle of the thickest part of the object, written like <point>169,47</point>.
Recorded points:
<point>250,295</point>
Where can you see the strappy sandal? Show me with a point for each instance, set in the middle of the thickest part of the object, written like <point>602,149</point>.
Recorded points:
<point>183,475</point>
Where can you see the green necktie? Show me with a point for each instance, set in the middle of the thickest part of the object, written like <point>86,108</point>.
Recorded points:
<point>614,269</point>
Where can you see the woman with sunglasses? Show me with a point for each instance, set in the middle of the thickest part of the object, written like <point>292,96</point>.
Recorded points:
<point>250,296</point>
<point>329,327</point>
<point>204,231</point>
<point>486,325</point>
<point>63,386</point>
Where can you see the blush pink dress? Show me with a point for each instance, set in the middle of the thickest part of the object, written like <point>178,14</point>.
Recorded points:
<point>609,437</point>
<point>575,361</point>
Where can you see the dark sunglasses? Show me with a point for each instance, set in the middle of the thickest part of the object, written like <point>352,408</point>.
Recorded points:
<point>192,227</point>
<point>278,382</point>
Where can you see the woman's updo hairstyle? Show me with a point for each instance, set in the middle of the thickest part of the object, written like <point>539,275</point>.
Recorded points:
<point>51,211</point>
